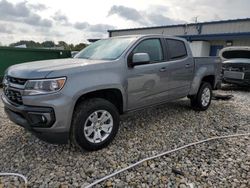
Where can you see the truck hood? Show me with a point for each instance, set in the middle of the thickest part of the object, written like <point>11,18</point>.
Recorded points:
<point>235,52</point>
<point>40,69</point>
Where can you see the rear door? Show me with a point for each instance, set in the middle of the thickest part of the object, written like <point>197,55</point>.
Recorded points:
<point>147,84</point>
<point>180,68</point>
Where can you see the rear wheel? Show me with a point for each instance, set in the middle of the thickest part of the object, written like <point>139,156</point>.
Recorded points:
<point>95,124</point>
<point>202,100</point>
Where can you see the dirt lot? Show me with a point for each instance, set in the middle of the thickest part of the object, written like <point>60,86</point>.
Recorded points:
<point>222,163</point>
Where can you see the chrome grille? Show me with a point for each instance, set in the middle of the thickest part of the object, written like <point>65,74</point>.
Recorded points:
<point>247,76</point>
<point>12,88</point>
<point>236,67</point>
<point>13,95</point>
<point>18,81</point>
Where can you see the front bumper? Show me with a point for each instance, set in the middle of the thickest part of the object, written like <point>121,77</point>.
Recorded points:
<point>241,78</point>
<point>38,120</point>
<point>236,73</point>
<point>243,82</point>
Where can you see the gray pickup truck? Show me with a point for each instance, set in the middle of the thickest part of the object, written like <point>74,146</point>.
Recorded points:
<point>80,99</point>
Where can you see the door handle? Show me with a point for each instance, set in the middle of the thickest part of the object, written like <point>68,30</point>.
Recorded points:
<point>187,65</point>
<point>163,69</point>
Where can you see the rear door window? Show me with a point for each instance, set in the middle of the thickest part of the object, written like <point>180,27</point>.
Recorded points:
<point>176,49</point>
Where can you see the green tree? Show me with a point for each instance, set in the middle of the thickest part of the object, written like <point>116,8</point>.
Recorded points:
<point>79,47</point>
<point>29,44</point>
<point>64,45</point>
<point>48,44</point>
<point>71,47</point>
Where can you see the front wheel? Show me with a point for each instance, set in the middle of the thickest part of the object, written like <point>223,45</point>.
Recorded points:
<point>95,124</point>
<point>202,100</point>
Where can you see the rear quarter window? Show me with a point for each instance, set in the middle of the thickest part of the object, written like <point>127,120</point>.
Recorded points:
<point>176,49</point>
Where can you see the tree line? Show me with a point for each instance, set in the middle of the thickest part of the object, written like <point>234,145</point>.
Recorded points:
<point>49,44</point>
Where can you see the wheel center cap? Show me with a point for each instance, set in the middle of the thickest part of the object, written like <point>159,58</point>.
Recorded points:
<point>97,125</point>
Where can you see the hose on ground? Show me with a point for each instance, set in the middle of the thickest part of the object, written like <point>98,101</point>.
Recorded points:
<point>162,154</point>
<point>18,175</point>
<point>222,97</point>
<point>137,163</point>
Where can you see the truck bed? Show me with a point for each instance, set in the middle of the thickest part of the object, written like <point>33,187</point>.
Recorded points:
<point>210,64</point>
<point>213,62</point>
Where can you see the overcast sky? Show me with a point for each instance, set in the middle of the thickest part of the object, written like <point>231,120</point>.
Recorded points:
<point>75,21</point>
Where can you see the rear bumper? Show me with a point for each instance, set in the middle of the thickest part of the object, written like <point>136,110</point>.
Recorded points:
<point>38,120</point>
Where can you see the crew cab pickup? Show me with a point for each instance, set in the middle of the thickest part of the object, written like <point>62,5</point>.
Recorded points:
<point>80,99</point>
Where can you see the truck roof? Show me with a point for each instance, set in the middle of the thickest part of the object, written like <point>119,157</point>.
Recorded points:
<point>149,35</point>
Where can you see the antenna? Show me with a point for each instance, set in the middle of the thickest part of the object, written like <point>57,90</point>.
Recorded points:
<point>196,19</point>
<point>185,28</point>
<point>198,26</point>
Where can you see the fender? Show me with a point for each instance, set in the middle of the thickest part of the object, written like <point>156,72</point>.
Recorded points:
<point>198,77</point>
<point>102,87</point>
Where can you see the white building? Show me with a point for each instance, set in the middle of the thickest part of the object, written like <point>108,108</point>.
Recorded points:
<point>206,38</point>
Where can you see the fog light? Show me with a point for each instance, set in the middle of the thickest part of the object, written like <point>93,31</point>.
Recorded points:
<point>44,119</point>
<point>39,119</point>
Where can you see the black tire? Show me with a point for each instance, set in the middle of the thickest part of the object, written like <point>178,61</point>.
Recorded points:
<point>196,101</point>
<point>82,113</point>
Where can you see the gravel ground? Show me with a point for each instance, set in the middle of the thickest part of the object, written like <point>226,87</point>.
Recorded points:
<point>221,163</point>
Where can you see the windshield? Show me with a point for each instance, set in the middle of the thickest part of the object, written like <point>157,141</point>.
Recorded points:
<point>106,49</point>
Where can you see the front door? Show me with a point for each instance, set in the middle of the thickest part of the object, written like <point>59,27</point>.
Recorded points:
<point>147,84</point>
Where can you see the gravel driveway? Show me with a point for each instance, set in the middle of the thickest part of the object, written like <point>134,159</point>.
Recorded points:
<point>221,163</point>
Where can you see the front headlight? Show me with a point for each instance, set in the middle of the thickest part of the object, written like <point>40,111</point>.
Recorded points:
<point>45,86</point>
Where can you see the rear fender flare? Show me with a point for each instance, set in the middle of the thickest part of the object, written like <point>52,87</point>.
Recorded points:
<point>199,75</point>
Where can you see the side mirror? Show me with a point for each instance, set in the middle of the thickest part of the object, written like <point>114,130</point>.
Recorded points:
<point>140,59</point>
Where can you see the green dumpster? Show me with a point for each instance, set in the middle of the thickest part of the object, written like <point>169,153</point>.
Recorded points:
<point>11,56</point>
